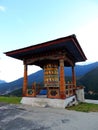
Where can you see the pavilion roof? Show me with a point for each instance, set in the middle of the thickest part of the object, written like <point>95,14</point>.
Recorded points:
<point>70,43</point>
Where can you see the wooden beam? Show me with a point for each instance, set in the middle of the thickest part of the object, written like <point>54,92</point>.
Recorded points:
<point>48,56</point>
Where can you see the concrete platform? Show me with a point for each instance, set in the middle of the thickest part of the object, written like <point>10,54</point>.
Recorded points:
<point>41,101</point>
<point>91,101</point>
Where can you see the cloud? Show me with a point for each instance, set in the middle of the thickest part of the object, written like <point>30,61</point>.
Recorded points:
<point>88,39</point>
<point>12,69</point>
<point>2,8</point>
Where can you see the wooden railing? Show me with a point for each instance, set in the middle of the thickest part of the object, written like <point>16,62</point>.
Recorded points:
<point>51,91</point>
<point>70,89</point>
<point>31,92</point>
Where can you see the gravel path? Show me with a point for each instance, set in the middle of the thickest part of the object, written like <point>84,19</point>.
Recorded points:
<point>22,117</point>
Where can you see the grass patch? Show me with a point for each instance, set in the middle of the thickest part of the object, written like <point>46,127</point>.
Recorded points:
<point>85,107</point>
<point>13,100</point>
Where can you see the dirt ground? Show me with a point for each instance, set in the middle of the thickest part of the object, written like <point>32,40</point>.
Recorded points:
<point>22,117</point>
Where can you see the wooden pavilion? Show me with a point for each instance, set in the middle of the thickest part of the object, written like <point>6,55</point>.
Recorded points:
<point>52,56</point>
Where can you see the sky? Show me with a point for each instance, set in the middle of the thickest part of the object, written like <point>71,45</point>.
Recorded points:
<point>28,22</point>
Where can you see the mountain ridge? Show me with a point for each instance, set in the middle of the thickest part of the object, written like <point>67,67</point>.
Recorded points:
<point>2,81</point>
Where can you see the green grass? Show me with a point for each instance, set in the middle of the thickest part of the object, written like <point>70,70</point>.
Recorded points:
<point>85,107</point>
<point>13,100</point>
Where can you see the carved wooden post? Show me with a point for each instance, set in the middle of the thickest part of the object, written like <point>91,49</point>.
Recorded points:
<point>25,80</point>
<point>73,79</point>
<point>62,80</point>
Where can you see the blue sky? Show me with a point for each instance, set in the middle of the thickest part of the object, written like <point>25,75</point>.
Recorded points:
<point>28,22</point>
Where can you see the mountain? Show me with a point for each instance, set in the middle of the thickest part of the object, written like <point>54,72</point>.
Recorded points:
<point>81,71</point>
<point>2,81</point>
<point>17,84</point>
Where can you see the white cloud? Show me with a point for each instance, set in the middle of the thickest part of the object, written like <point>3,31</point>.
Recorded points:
<point>2,8</point>
<point>12,69</point>
<point>88,39</point>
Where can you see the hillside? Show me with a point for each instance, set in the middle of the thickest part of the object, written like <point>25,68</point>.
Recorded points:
<point>90,82</point>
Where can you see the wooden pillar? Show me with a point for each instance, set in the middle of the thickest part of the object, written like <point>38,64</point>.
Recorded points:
<point>73,80</point>
<point>25,80</point>
<point>62,80</point>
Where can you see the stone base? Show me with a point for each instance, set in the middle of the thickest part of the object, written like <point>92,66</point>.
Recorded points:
<point>80,94</point>
<point>47,102</point>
